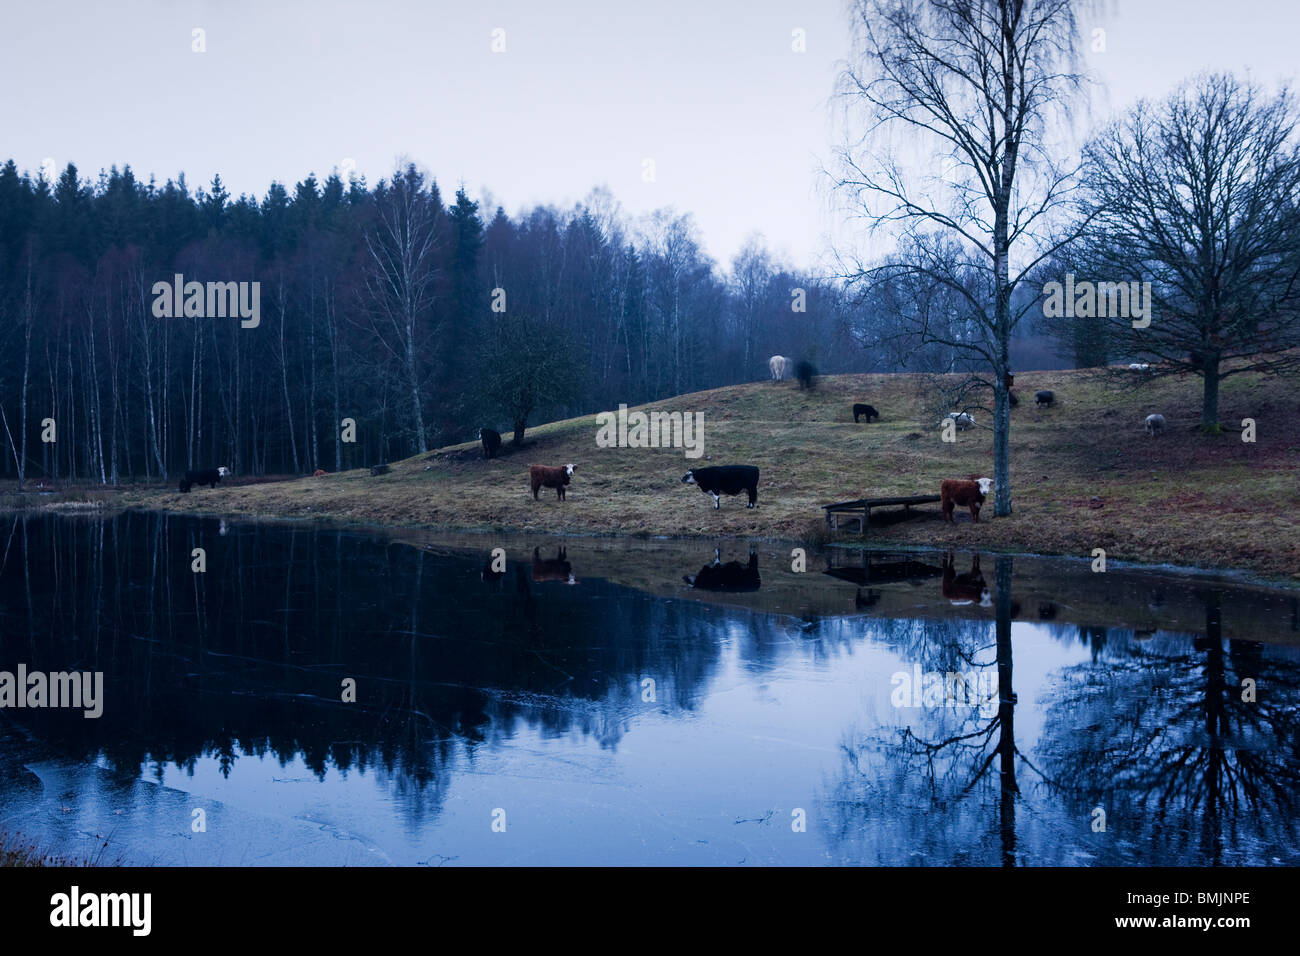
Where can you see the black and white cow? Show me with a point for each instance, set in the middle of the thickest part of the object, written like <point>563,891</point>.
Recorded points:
<point>203,476</point>
<point>721,480</point>
<point>491,442</point>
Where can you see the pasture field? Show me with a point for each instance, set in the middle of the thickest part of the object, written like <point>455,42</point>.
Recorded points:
<point>1084,475</point>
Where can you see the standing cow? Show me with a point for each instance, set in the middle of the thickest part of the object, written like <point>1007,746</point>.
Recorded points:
<point>777,365</point>
<point>725,480</point>
<point>204,476</point>
<point>550,476</point>
<point>971,493</point>
<point>491,442</point>
<point>1155,424</point>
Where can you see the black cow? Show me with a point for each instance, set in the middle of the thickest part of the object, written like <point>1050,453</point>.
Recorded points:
<point>204,476</point>
<point>377,470</point>
<point>491,442</point>
<point>1044,397</point>
<point>806,373</point>
<point>860,409</point>
<point>732,576</point>
<point>725,480</point>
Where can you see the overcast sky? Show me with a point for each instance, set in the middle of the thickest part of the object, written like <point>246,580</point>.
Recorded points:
<point>586,91</point>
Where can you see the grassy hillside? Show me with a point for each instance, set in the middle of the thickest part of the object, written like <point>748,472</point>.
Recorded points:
<point>1186,498</point>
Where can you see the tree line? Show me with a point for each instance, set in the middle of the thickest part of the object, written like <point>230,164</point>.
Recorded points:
<point>413,319</point>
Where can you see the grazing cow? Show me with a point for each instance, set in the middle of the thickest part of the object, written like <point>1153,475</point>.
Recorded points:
<point>318,473</point>
<point>777,365</point>
<point>204,476</point>
<point>725,480</point>
<point>965,589</point>
<point>553,569</point>
<point>963,420</point>
<point>1155,424</point>
<point>1044,397</point>
<point>376,470</point>
<point>491,442</point>
<point>732,576</point>
<point>956,491</point>
<point>860,409</point>
<point>550,476</point>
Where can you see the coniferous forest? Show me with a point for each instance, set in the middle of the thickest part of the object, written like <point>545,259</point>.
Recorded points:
<point>418,316</point>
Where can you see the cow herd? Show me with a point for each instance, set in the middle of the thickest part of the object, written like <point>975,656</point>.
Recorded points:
<point>732,480</point>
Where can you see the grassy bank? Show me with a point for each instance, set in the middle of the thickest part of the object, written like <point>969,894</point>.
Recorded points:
<point>16,851</point>
<point>1209,501</point>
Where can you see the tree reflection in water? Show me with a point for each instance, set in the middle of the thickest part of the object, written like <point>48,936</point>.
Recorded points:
<point>1164,738</point>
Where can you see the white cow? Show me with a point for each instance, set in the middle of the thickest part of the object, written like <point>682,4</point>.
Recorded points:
<point>777,364</point>
<point>1155,424</point>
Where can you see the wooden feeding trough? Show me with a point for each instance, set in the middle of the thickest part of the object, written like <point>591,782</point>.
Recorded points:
<point>859,509</point>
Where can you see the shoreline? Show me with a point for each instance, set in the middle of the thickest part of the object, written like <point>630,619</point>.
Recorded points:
<point>394,530</point>
<point>1084,478</point>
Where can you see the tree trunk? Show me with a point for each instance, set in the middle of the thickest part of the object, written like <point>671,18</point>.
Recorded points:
<point>27,364</point>
<point>520,425</point>
<point>413,380</point>
<point>1210,397</point>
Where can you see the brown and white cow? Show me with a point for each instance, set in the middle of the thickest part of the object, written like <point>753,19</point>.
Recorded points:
<point>550,476</point>
<point>964,492</point>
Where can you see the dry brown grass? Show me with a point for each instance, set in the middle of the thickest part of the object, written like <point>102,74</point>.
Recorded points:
<point>1184,498</point>
<point>15,851</point>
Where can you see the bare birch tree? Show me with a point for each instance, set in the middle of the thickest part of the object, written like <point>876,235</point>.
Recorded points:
<point>974,87</point>
<point>400,283</point>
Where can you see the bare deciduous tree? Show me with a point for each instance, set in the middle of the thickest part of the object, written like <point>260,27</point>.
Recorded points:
<point>400,283</point>
<point>1201,195</point>
<point>977,85</point>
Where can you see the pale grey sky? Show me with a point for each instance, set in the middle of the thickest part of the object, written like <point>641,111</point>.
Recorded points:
<point>586,90</point>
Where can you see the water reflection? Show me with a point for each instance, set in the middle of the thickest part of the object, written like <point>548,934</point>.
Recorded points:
<point>1144,754</point>
<point>554,569</point>
<point>1193,747</point>
<point>732,576</point>
<point>676,722</point>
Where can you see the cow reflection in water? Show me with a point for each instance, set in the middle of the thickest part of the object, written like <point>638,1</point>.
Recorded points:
<point>553,569</point>
<point>870,599</point>
<point>963,589</point>
<point>732,576</point>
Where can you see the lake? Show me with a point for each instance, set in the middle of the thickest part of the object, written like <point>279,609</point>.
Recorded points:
<point>333,697</point>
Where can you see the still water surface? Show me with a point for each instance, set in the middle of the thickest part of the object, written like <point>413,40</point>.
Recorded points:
<point>631,703</point>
